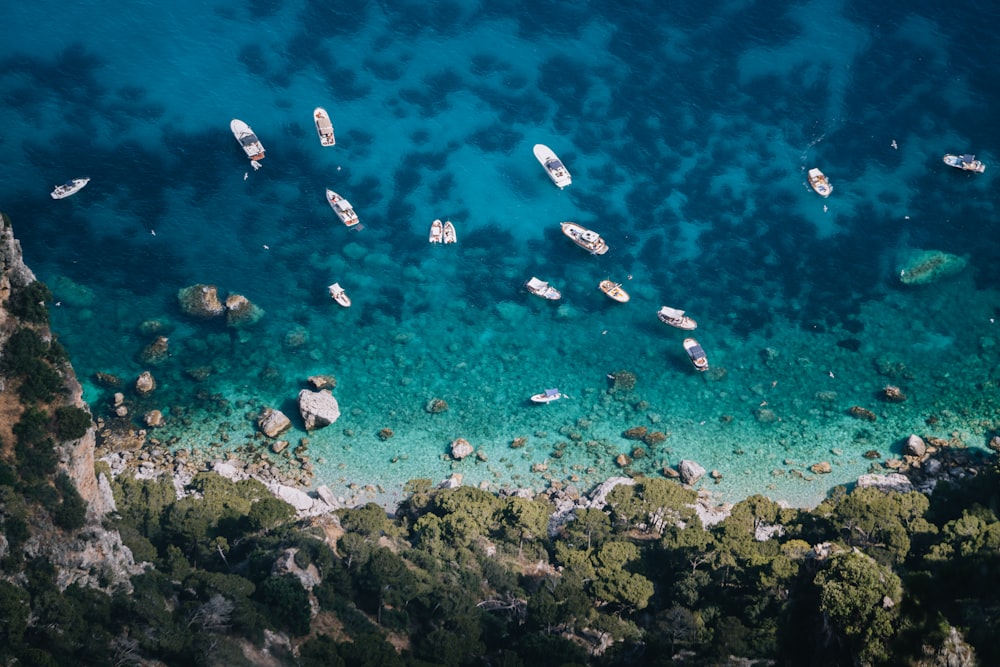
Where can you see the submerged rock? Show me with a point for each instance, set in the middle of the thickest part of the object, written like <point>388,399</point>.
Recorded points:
<point>201,301</point>
<point>240,312</point>
<point>690,471</point>
<point>273,423</point>
<point>156,352</point>
<point>145,384</point>
<point>927,266</point>
<point>460,448</point>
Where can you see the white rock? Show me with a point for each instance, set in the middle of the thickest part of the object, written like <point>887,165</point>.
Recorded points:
<point>318,408</point>
<point>690,471</point>
<point>891,482</point>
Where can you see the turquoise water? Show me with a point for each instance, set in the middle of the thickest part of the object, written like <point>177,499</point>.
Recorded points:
<point>688,134</point>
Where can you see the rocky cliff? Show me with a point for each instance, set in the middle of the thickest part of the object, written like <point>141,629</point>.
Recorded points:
<point>92,550</point>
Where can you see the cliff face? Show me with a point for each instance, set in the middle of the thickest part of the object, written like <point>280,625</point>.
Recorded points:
<point>92,549</point>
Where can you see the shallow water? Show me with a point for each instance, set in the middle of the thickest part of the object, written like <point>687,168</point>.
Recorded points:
<point>688,135</point>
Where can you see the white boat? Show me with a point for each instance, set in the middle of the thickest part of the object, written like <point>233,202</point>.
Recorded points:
<point>614,290</point>
<point>342,208</point>
<point>338,294</point>
<point>542,289</point>
<point>819,182</point>
<point>696,354</point>
<point>547,396</point>
<point>324,128</point>
<point>448,232</point>
<point>553,165</point>
<point>248,141</point>
<point>437,232</point>
<point>965,162</point>
<point>676,318</point>
<point>586,239</point>
<point>70,188</point>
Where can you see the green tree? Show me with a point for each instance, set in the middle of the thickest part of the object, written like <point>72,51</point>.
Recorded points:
<point>369,520</point>
<point>72,422</point>
<point>269,513</point>
<point>590,527</point>
<point>285,603</point>
<point>14,611</point>
<point>524,520</point>
<point>28,303</point>
<point>881,523</point>
<point>858,597</point>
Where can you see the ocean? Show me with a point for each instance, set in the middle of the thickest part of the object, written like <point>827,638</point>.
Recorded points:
<point>688,132</point>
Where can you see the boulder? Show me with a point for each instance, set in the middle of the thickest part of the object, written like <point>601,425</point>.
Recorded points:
<point>273,423</point>
<point>201,301</point>
<point>153,418</point>
<point>891,482</point>
<point>145,384</point>
<point>690,471</point>
<point>318,408</point>
<point>460,448</point>
<point>915,446</point>
<point>240,312</point>
<point>156,352</point>
<point>452,482</point>
<point>821,468</point>
<point>323,381</point>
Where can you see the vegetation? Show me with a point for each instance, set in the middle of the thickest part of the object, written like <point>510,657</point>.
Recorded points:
<point>28,304</point>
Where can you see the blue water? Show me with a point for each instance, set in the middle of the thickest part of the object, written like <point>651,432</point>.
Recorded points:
<point>688,133</point>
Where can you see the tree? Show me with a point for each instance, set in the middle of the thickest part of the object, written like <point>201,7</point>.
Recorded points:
<point>369,520</point>
<point>590,526</point>
<point>858,596</point>
<point>72,422</point>
<point>285,603</point>
<point>269,513</point>
<point>522,519</point>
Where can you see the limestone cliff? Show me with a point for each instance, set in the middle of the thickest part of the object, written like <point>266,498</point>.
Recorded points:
<point>92,549</point>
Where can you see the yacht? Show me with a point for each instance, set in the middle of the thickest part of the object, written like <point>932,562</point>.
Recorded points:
<point>70,188</point>
<point>819,182</point>
<point>542,289</point>
<point>614,290</point>
<point>324,128</point>
<point>248,141</point>
<point>965,162</point>
<point>553,165</point>
<point>547,396</point>
<point>696,354</point>
<point>676,318</point>
<point>586,239</point>
<point>342,208</point>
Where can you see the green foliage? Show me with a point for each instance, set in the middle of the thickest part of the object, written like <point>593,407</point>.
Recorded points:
<point>34,450</point>
<point>28,303</point>
<point>25,357</point>
<point>71,513</point>
<point>284,603</point>
<point>269,513</point>
<point>882,523</point>
<point>14,610</point>
<point>72,422</point>
<point>369,520</point>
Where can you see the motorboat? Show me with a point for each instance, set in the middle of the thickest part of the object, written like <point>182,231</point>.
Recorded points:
<point>696,354</point>
<point>614,290</point>
<point>437,232</point>
<point>553,165</point>
<point>542,289</point>
<point>965,162</point>
<point>585,238</point>
<point>547,396</point>
<point>324,128</point>
<point>248,141</point>
<point>819,182</point>
<point>676,318</point>
<point>338,294</point>
<point>70,188</point>
<point>448,232</point>
<point>342,208</point>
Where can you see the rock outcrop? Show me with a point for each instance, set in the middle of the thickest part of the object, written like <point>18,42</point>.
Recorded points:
<point>927,266</point>
<point>318,408</point>
<point>240,312</point>
<point>145,384</point>
<point>273,423</point>
<point>690,471</point>
<point>201,301</point>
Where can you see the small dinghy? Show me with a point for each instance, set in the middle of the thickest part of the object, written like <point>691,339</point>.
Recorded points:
<point>542,289</point>
<point>547,396</point>
<point>696,354</point>
<point>448,233</point>
<point>338,294</point>
<point>437,232</point>
<point>614,290</point>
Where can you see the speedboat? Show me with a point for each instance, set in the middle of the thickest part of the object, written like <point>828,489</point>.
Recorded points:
<point>448,232</point>
<point>696,354</point>
<point>820,183</point>
<point>70,188</point>
<point>586,239</point>
<point>338,294</point>
<point>248,141</point>
<point>437,232</point>
<point>553,165</point>
<point>676,318</point>
<point>324,128</point>
<point>342,208</point>
<point>542,289</point>
<point>614,290</point>
<point>547,396</point>
<point>965,162</point>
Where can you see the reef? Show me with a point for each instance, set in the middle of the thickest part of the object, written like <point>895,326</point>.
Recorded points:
<point>927,266</point>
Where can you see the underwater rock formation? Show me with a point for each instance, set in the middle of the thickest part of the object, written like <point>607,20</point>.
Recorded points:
<point>201,301</point>
<point>240,312</point>
<point>927,266</point>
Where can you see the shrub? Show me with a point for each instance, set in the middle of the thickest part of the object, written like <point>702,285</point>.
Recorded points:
<point>29,303</point>
<point>71,513</point>
<point>72,422</point>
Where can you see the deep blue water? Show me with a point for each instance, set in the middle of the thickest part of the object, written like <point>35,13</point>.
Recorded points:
<point>688,133</point>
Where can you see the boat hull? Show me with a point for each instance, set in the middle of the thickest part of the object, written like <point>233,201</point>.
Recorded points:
<point>546,397</point>
<point>448,233</point>
<point>324,128</point>
<point>585,238</point>
<point>696,354</point>
<point>70,188</point>
<point>437,232</point>
<point>338,294</point>
<point>557,171</point>
<point>680,321</point>
<point>338,204</point>
<point>957,162</point>
<point>247,140</point>
<point>819,183</point>
<point>614,291</point>
<point>542,289</point>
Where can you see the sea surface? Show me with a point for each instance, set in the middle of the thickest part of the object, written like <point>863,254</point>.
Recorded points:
<point>688,130</point>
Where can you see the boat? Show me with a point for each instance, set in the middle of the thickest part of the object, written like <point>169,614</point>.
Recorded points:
<point>965,162</point>
<point>437,232</point>
<point>819,182</point>
<point>342,208</point>
<point>324,128</point>
<point>553,165</point>
<point>676,318</point>
<point>614,290</point>
<point>450,236</point>
<point>70,188</point>
<point>338,294</point>
<point>542,289</point>
<point>248,141</point>
<point>586,239</point>
<point>696,354</point>
<point>547,396</point>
